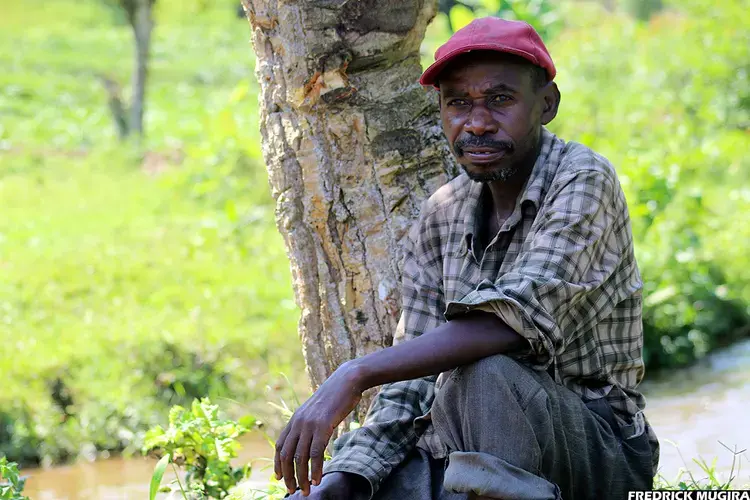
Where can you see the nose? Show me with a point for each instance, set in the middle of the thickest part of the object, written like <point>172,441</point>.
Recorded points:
<point>480,121</point>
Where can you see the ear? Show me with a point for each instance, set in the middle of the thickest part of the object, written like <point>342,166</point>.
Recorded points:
<point>550,96</point>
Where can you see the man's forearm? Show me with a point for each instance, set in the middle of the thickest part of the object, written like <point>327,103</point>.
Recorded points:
<point>455,343</point>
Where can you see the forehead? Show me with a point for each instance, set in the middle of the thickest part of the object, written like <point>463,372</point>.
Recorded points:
<point>485,69</point>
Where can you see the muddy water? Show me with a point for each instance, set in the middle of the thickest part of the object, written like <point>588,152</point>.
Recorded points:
<point>698,409</point>
<point>126,479</point>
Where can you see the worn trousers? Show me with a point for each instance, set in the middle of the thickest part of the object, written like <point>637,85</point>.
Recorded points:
<point>514,434</point>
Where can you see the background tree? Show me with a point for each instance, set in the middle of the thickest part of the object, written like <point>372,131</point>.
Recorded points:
<point>139,15</point>
<point>353,146</point>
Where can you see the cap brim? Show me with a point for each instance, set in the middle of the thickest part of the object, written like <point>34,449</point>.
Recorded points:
<point>430,76</point>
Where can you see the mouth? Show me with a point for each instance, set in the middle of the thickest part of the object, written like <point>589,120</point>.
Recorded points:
<point>483,156</point>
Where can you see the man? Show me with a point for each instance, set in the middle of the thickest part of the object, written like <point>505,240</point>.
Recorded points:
<point>515,366</point>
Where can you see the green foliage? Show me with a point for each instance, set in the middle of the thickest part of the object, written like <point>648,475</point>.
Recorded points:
<point>644,9</point>
<point>131,282</point>
<point>11,482</point>
<point>542,14</point>
<point>203,443</point>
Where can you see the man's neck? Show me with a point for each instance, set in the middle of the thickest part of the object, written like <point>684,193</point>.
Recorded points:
<point>499,201</point>
<point>505,192</point>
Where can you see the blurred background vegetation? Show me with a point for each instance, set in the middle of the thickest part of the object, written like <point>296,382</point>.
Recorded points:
<point>140,274</point>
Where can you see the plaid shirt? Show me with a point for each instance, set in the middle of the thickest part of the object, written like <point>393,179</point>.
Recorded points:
<point>561,272</point>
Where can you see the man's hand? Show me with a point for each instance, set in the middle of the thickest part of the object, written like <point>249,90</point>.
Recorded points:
<point>335,486</point>
<point>306,435</point>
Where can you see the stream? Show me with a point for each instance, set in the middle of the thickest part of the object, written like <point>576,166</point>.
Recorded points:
<point>701,409</point>
<point>127,478</point>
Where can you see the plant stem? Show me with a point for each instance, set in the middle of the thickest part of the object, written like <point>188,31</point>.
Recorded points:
<point>177,475</point>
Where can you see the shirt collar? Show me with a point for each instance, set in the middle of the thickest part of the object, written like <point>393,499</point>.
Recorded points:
<point>534,190</point>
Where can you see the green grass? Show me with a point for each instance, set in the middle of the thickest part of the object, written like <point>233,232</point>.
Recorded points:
<point>51,55</point>
<point>96,255</point>
<point>124,290</point>
<point>702,475</point>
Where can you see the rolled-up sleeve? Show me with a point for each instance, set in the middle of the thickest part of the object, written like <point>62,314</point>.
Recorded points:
<point>561,281</point>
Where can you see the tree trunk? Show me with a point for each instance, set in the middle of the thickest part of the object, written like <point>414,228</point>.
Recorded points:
<point>116,107</point>
<point>142,25</point>
<point>353,146</point>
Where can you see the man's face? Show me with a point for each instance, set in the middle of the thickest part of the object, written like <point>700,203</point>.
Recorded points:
<point>492,114</point>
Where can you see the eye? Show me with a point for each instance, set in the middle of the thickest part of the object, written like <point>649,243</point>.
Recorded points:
<point>500,98</point>
<point>457,102</point>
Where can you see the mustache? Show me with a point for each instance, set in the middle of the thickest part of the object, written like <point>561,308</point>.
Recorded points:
<point>478,141</point>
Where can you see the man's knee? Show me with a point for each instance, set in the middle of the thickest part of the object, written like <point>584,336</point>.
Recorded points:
<point>496,406</point>
<point>488,383</point>
<point>495,366</point>
<point>491,372</point>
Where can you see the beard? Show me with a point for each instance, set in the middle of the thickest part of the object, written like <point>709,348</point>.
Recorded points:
<point>495,174</point>
<point>500,174</point>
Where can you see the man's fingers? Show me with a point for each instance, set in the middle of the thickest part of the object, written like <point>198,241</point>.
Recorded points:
<point>301,457</point>
<point>277,454</point>
<point>287,461</point>
<point>317,454</point>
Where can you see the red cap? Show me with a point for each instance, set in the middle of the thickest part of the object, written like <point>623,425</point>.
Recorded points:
<point>492,33</point>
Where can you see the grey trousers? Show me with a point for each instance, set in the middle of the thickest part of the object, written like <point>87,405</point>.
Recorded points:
<point>514,434</point>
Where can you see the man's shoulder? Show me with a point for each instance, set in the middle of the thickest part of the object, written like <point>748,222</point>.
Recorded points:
<point>449,196</point>
<point>579,169</point>
<point>576,158</point>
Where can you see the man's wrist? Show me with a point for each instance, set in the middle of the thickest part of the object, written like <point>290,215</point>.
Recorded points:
<point>358,374</point>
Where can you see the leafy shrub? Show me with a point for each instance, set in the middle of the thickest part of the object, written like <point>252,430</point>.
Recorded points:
<point>11,482</point>
<point>203,443</point>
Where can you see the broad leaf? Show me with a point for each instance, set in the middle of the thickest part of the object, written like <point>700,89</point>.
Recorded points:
<point>156,478</point>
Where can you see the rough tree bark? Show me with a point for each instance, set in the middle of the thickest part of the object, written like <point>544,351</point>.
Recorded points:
<point>353,146</point>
